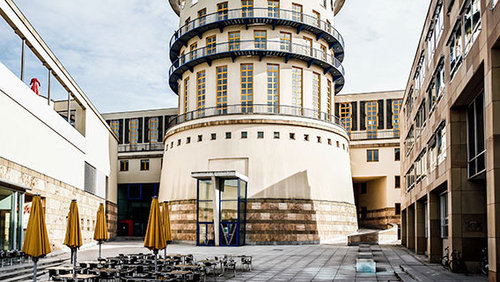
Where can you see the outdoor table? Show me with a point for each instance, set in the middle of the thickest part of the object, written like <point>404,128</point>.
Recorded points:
<point>182,273</point>
<point>79,277</point>
<point>91,264</point>
<point>183,266</point>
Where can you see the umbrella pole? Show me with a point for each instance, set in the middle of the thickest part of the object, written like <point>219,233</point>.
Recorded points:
<point>165,253</point>
<point>156,261</point>
<point>74,263</point>
<point>100,243</point>
<point>35,260</point>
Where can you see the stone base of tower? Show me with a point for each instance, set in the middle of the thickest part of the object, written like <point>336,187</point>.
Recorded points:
<point>277,221</point>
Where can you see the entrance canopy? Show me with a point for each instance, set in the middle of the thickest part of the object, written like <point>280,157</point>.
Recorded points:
<point>229,174</point>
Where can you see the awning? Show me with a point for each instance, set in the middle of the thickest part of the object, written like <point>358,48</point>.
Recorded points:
<point>230,174</point>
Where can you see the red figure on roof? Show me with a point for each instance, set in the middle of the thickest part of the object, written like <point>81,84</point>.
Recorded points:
<point>34,85</point>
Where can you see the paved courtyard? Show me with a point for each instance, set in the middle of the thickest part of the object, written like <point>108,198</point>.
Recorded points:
<point>306,262</point>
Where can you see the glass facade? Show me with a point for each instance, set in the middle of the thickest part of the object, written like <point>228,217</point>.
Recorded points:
<point>12,208</point>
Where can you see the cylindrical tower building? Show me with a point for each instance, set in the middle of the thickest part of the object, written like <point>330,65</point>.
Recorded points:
<point>256,155</point>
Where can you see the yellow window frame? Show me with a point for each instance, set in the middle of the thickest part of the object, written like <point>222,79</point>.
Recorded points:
<point>260,38</point>
<point>200,91</point>
<point>186,94</point>
<point>298,90</point>
<point>221,91</point>
<point>222,11</point>
<point>211,44</point>
<point>345,116</point>
<point>317,94</point>
<point>246,74</point>
<point>273,88</point>
<point>234,40</point>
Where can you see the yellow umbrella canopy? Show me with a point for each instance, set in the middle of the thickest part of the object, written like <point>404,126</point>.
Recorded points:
<point>101,228</point>
<point>73,237</point>
<point>166,221</point>
<point>36,240</point>
<point>155,233</point>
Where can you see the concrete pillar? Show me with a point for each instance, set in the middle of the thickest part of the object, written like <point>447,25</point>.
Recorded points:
<point>420,242</point>
<point>434,241</point>
<point>410,227</point>
<point>216,209</point>
<point>492,135</point>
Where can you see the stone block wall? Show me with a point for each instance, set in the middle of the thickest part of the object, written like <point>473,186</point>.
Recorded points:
<point>277,221</point>
<point>381,218</point>
<point>57,197</point>
<point>112,218</point>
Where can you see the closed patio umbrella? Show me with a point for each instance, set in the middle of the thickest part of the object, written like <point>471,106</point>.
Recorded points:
<point>166,224</point>
<point>101,228</point>
<point>155,233</point>
<point>73,237</point>
<point>36,241</point>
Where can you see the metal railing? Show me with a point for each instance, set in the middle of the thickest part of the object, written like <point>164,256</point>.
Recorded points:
<point>372,135</point>
<point>258,13</point>
<point>140,147</point>
<point>256,109</point>
<point>293,49</point>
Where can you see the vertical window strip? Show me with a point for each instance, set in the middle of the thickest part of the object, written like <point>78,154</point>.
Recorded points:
<point>297,12</point>
<point>297,88</point>
<point>193,48</point>
<point>133,133</point>
<point>186,94</point>
<point>345,116</point>
<point>201,91</point>
<point>286,41</point>
<point>153,130</point>
<point>246,72</point>
<point>273,88</point>
<point>317,94</point>
<point>115,126</point>
<point>202,16</point>
<point>222,89</point>
<point>371,119</point>
<point>222,12</point>
<point>273,7</point>
<point>396,109</point>
<point>329,99</point>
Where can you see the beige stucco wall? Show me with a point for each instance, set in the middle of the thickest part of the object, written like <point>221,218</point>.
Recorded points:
<point>135,174</point>
<point>276,168</point>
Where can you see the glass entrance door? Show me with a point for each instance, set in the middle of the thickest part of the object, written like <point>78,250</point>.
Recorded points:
<point>231,206</point>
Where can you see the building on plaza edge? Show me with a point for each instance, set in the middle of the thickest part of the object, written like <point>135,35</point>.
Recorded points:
<point>256,149</point>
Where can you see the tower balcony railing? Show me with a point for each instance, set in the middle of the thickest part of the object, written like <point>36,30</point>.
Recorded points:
<point>257,109</point>
<point>260,48</point>
<point>375,134</point>
<point>246,16</point>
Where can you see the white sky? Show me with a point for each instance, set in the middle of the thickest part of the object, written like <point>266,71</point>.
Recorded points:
<point>117,50</point>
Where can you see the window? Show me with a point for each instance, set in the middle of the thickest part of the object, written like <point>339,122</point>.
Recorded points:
<point>186,94</point>
<point>420,118</point>
<point>123,165</point>
<point>200,138</point>
<point>144,165</point>
<point>273,7</point>
<point>420,73</point>
<point>409,140</point>
<point>247,8</point>
<point>431,45</point>
<point>316,84</point>
<point>133,133</point>
<point>397,154</point>
<point>455,49</point>
<point>438,22</point>
<point>329,99</point>
<point>308,46</point>
<point>396,110</point>
<point>276,135</point>
<point>153,129</point>
<point>260,37</point>
<point>260,134</point>
<point>443,204</point>
<point>329,141</point>
<point>201,91</point>
<point>436,88</point>
<point>188,140</point>
<point>318,138</point>
<point>306,137</point>
<point>115,126</point>
<point>421,166</point>
<point>90,179</point>
<point>244,135</point>
<point>371,119</point>
<point>285,41</point>
<point>472,23</point>
<point>193,51</point>
<point>246,88</point>
<point>297,12</point>
<point>297,94</point>
<point>211,45</point>
<point>345,116</point>
<point>222,89</point>
<point>292,136</point>
<point>410,178</point>
<point>202,16</point>
<point>234,40</point>
<point>213,136</point>
<point>273,94</point>
<point>338,144</point>
<point>476,146</point>
<point>317,18</point>
<point>372,155</point>
<point>222,11</point>
<point>441,144</point>
<point>178,142</point>
<point>397,208</point>
<point>397,182</point>
<point>324,52</point>
<point>228,135</point>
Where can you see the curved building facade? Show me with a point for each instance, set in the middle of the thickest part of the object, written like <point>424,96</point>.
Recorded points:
<point>256,154</point>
